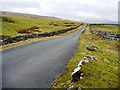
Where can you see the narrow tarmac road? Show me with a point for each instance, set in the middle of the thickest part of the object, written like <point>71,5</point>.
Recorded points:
<point>36,65</point>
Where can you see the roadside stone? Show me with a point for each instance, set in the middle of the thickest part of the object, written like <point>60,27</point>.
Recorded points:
<point>77,74</point>
<point>88,57</point>
<point>90,47</point>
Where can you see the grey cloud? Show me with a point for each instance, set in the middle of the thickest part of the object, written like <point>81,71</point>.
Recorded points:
<point>100,11</point>
<point>19,5</point>
<point>81,10</point>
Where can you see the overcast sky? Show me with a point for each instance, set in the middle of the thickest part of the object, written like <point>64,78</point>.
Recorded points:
<point>93,11</point>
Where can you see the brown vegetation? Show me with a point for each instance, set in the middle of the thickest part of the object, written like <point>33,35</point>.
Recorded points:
<point>6,19</point>
<point>29,30</point>
<point>63,24</point>
<point>4,37</point>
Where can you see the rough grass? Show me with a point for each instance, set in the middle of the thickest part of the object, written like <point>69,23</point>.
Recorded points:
<point>107,28</point>
<point>13,45</point>
<point>102,73</point>
<point>10,29</point>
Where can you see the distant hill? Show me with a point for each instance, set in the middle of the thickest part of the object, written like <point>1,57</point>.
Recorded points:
<point>15,24</point>
<point>7,13</point>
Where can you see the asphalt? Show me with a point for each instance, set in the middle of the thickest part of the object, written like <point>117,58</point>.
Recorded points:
<point>36,65</point>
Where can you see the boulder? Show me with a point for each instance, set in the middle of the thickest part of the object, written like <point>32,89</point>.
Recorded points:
<point>77,75</point>
<point>90,47</point>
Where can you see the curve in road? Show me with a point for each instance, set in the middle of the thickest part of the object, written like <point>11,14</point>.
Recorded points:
<point>36,65</point>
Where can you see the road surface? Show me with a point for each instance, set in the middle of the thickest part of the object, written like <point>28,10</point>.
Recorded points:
<point>36,65</point>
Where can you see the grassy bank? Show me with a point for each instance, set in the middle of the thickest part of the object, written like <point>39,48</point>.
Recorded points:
<point>13,45</point>
<point>102,73</point>
<point>12,25</point>
<point>107,28</point>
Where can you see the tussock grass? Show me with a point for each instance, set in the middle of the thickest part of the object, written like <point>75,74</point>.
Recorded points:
<point>107,28</point>
<point>32,40</point>
<point>20,22</point>
<point>102,73</point>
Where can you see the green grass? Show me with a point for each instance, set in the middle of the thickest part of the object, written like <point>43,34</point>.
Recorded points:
<point>21,22</point>
<point>10,29</point>
<point>13,45</point>
<point>102,73</point>
<point>107,28</point>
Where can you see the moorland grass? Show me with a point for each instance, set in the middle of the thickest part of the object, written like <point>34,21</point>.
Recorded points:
<point>20,22</point>
<point>108,28</point>
<point>32,40</point>
<point>101,73</point>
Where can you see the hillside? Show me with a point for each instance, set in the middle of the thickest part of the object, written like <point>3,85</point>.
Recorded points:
<point>14,24</point>
<point>4,13</point>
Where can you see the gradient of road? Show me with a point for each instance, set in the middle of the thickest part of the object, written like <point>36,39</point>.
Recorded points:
<point>36,65</point>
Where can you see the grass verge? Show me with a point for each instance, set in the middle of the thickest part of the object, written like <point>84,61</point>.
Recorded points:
<point>13,45</point>
<point>107,28</point>
<point>102,73</point>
